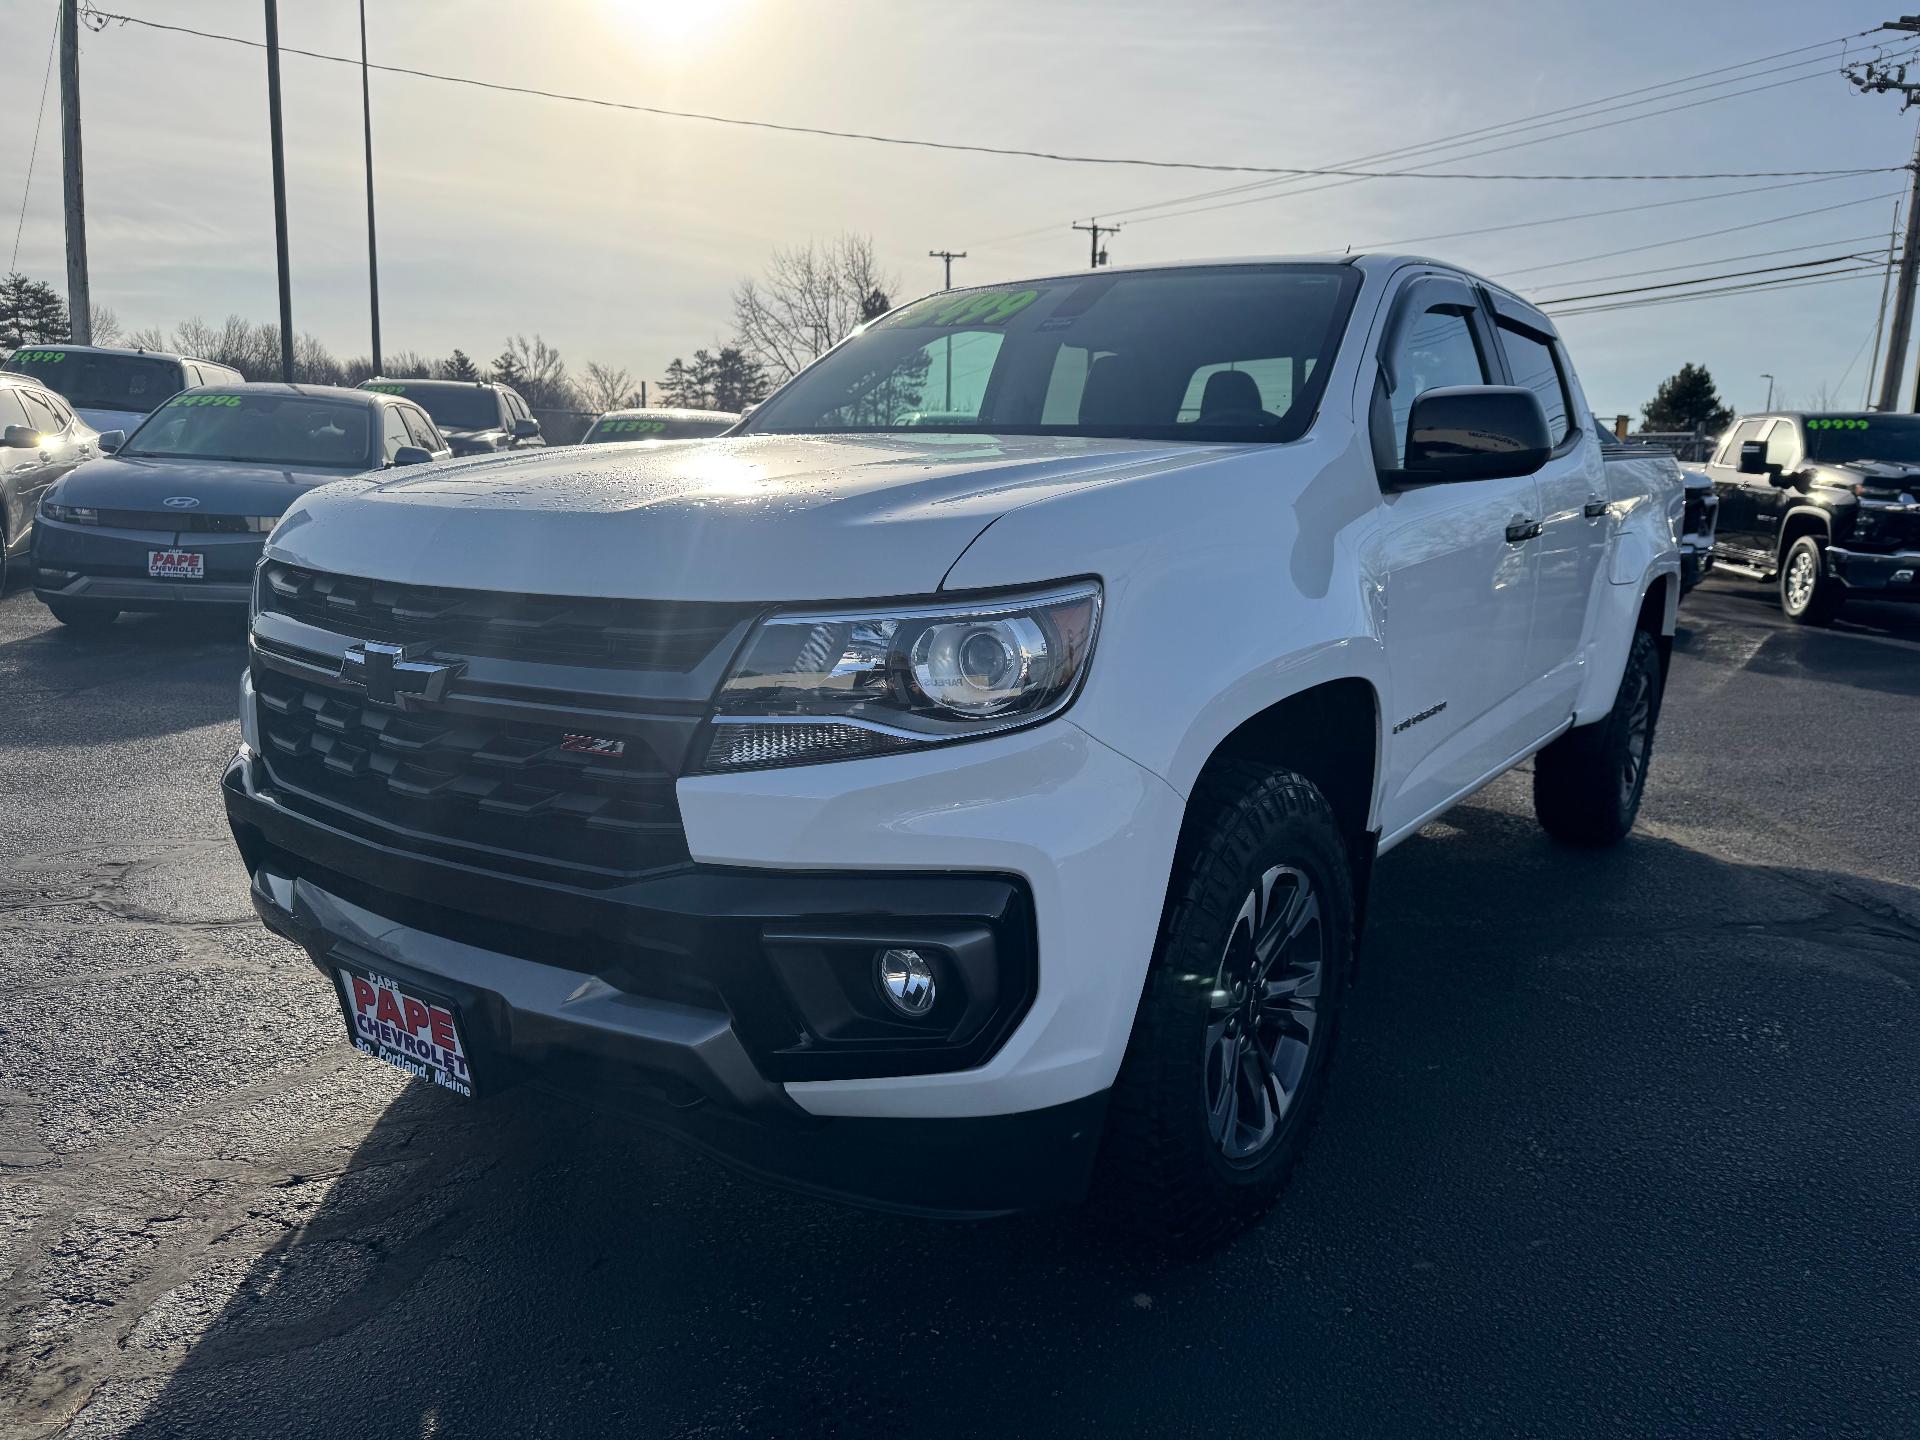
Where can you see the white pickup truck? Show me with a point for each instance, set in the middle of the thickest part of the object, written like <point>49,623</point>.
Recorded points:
<point>957,789</point>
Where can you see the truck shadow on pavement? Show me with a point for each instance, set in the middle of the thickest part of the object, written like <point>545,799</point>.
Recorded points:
<point>1581,1113</point>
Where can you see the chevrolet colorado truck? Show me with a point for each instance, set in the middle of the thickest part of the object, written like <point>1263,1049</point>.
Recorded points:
<point>957,790</point>
<point>1823,505</point>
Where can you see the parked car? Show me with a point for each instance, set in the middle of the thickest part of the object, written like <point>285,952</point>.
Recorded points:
<point>660,424</point>
<point>113,388</point>
<point>476,416</point>
<point>1822,504</point>
<point>175,515</point>
<point>40,440</point>
<point>962,817</point>
<point>1699,509</point>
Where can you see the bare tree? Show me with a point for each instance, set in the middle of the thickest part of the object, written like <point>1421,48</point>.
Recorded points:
<point>535,369</point>
<point>607,388</point>
<point>107,329</point>
<point>811,296</point>
<point>151,337</point>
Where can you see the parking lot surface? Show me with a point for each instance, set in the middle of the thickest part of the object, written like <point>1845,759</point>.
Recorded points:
<point>1617,1144</point>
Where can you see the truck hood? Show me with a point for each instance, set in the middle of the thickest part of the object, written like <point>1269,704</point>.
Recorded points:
<point>757,518</point>
<point>221,487</point>
<point>1875,474</point>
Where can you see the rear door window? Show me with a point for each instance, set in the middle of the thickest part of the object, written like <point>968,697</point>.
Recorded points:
<point>1535,362</point>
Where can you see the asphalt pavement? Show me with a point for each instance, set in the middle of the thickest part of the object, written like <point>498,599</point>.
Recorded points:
<point>1618,1144</point>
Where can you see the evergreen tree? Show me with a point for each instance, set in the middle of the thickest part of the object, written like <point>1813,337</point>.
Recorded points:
<point>31,313</point>
<point>1687,400</point>
<point>458,366</point>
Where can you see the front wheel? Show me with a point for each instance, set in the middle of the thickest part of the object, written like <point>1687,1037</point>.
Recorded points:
<point>1808,594</point>
<point>1228,1059</point>
<point>1587,784</point>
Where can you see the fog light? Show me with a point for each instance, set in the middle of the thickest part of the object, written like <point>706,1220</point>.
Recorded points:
<point>906,979</point>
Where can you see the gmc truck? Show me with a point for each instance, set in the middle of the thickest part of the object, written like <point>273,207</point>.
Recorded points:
<point>957,790</point>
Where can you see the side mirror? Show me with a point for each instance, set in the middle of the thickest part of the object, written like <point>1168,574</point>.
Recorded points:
<point>1475,432</point>
<point>525,428</point>
<point>20,437</point>
<point>412,455</point>
<point>111,440</point>
<point>1753,457</point>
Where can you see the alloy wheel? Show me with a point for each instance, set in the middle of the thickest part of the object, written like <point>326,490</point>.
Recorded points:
<point>1265,1014</point>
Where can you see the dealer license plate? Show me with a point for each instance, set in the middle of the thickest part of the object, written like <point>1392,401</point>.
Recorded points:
<point>176,565</point>
<point>410,1031</point>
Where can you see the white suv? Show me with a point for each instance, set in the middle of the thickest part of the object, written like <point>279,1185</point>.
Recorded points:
<point>959,788</point>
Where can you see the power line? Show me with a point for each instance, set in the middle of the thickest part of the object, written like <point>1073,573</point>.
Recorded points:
<point>1594,214</point>
<point>33,154</point>
<point>1717,260</point>
<point>1451,142</point>
<point>1706,279</point>
<point>1008,151</point>
<point>1703,235</point>
<point>1488,131</point>
<point>1864,273</point>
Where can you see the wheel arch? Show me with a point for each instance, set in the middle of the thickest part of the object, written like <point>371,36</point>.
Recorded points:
<point>1801,520</point>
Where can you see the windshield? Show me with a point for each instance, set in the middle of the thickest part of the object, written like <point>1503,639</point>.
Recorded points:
<point>1222,353</point>
<point>1836,439</point>
<point>102,382</point>
<point>265,429</point>
<point>453,407</point>
<point>641,427</point>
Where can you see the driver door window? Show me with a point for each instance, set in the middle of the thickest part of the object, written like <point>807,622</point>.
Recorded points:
<point>1436,350</point>
<point>396,433</point>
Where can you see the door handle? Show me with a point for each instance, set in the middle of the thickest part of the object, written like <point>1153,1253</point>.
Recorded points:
<point>1522,530</point>
<point>1595,509</point>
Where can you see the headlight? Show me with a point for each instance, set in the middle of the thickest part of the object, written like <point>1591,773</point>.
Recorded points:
<point>260,524</point>
<point>70,514</point>
<point>834,685</point>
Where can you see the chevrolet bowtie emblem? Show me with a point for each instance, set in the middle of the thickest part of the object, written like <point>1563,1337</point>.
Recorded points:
<point>392,676</point>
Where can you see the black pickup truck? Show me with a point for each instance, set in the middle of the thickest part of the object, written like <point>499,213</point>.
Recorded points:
<point>1822,504</point>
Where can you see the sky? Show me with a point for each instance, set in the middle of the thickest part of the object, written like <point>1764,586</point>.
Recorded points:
<point>619,236</point>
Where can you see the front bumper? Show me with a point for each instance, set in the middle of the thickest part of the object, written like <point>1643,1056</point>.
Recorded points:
<point>1888,576</point>
<point>672,999</point>
<point>108,567</point>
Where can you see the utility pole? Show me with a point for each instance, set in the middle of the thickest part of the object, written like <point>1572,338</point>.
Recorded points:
<point>79,293</point>
<point>949,256</point>
<point>1097,252</point>
<point>373,255</point>
<point>279,188</point>
<point>1769,380</point>
<point>1880,320</point>
<point>1869,78</point>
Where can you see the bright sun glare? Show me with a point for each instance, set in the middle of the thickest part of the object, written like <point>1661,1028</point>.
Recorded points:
<point>676,25</point>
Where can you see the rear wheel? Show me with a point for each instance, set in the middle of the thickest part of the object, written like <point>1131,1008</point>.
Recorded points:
<point>1228,1060</point>
<point>79,615</point>
<point>1587,784</point>
<point>1808,594</point>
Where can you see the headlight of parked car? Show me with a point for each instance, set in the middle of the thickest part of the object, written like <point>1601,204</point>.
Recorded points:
<point>70,514</point>
<point>832,685</point>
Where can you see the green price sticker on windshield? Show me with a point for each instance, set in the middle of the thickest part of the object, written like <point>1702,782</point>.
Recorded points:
<point>198,401</point>
<point>389,389</point>
<point>1836,424</point>
<point>40,357</point>
<point>630,427</point>
<point>988,307</point>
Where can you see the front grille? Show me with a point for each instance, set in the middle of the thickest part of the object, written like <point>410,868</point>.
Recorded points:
<point>186,520</point>
<point>636,634</point>
<point>508,787</point>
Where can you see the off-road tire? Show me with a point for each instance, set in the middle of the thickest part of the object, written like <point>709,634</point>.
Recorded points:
<point>81,616</point>
<point>1163,1179</point>
<point>1584,792</point>
<point>1808,594</point>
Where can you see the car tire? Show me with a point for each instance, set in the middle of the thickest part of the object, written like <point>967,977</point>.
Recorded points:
<point>1808,594</point>
<point>1242,1000</point>
<point>1587,784</point>
<point>82,617</point>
